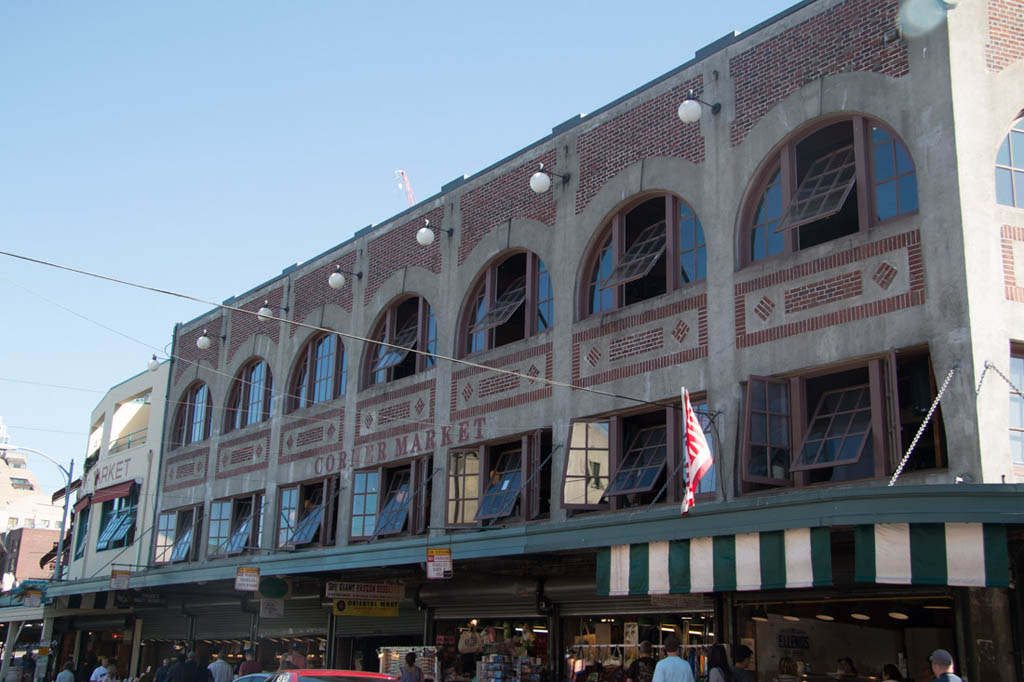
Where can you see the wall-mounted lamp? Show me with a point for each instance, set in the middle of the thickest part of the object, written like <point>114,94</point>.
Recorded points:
<point>690,111</point>
<point>153,364</point>
<point>425,235</point>
<point>204,341</point>
<point>265,312</point>
<point>337,279</point>
<point>540,181</point>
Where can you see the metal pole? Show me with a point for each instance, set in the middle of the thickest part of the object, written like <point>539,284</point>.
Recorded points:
<point>63,524</point>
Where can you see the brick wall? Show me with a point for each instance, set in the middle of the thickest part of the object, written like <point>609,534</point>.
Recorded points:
<point>847,37</point>
<point>245,325</point>
<point>418,398</point>
<point>398,248</point>
<point>1005,44</point>
<point>652,339</point>
<point>858,263</point>
<point>188,354</point>
<point>244,454</point>
<point>471,384</point>
<point>318,432</point>
<point>186,470</point>
<point>312,290</point>
<point>648,130</point>
<point>504,198</point>
<point>32,544</point>
<point>826,291</point>
<point>1010,235</point>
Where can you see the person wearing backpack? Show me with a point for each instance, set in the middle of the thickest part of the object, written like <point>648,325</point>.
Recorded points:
<point>642,669</point>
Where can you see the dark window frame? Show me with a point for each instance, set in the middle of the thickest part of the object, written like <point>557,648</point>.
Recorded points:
<point>241,411</point>
<point>1012,168</point>
<point>890,430</point>
<point>611,239</point>
<point>538,300</point>
<point>118,521</point>
<point>1016,429</point>
<point>82,532</point>
<point>306,376</point>
<point>387,328</point>
<point>183,430</point>
<point>417,514</point>
<point>188,523</point>
<point>781,168</point>
<point>624,428</point>
<point>534,480</point>
<point>252,522</point>
<point>329,488</point>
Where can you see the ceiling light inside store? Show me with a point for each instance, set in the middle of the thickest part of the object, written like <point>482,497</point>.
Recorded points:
<point>898,615</point>
<point>859,614</point>
<point>791,618</point>
<point>938,607</point>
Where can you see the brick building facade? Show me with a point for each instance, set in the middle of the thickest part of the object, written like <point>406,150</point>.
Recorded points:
<point>811,263</point>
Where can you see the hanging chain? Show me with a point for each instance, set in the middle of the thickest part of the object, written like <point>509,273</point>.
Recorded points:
<point>924,425</point>
<point>991,366</point>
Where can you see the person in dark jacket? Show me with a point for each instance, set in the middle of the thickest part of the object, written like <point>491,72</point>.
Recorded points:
<point>162,671</point>
<point>177,671</point>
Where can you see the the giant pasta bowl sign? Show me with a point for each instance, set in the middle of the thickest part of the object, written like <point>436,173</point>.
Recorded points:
<point>364,599</point>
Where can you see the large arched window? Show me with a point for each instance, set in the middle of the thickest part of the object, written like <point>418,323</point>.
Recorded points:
<point>407,325</point>
<point>812,190</point>
<point>511,300</point>
<point>320,373</point>
<point>249,401</point>
<point>1010,167</point>
<point>192,418</point>
<point>631,262</point>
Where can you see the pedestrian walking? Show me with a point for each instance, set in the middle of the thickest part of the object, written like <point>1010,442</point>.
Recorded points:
<point>741,663</point>
<point>942,666</point>
<point>410,672</point>
<point>788,670</point>
<point>642,669</point>
<point>100,671</point>
<point>718,663</point>
<point>68,673</point>
<point>162,671</point>
<point>672,668</point>
<point>250,665</point>
<point>219,669</point>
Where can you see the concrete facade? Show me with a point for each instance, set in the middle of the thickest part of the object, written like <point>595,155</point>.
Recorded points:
<point>124,447</point>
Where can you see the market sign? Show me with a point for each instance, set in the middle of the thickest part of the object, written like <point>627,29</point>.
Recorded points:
<point>439,563</point>
<point>364,599</point>
<point>119,579</point>
<point>247,578</point>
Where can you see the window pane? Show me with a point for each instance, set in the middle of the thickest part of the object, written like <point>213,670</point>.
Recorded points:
<point>199,407</point>
<point>587,463</point>
<point>643,460</point>
<point>545,297</point>
<point>692,253</point>
<point>389,356</point>
<point>288,516</point>
<point>1003,155</point>
<point>822,193</point>
<point>908,193</point>
<point>504,307</point>
<point>364,502</point>
<point>1018,188</point>
<point>183,545</point>
<point>396,506</point>
<point>257,386</point>
<point>885,164</point>
<point>887,200</point>
<point>323,378</point>
<point>1017,148</point>
<point>1004,187</point>
<point>848,414</point>
<point>430,361</point>
<point>640,258</point>
<point>463,487</point>
<point>600,298</point>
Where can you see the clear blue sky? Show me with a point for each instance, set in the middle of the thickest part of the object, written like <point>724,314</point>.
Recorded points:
<point>205,146</point>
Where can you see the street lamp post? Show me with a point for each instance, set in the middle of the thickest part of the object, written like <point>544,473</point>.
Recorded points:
<point>67,498</point>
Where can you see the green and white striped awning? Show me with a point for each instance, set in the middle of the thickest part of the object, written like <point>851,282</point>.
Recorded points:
<point>801,557</point>
<point>961,554</point>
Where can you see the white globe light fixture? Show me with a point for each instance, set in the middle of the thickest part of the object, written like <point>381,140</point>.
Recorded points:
<point>336,280</point>
<point>424,236</point>
<point>690,108</point>
<point>153,364</point>
<point>540,182</point>
<point>689,111</point>
<point>264,313</point>
<point>203,342</point>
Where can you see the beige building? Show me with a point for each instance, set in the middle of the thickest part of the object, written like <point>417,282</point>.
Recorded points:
<point>113,512</point>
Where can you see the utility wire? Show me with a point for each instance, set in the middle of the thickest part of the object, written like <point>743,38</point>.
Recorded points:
<point>348,335</point>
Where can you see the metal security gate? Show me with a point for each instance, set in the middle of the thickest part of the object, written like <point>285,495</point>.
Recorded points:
<point>163,624</point>
<point>302,617</point>
<point>221,622</point>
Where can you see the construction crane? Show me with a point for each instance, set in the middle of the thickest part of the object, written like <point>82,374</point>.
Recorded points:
<point>403,183</point>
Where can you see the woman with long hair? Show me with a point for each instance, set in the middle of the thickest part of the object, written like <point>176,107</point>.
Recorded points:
<point>718,663</point>
<point>788,670</point>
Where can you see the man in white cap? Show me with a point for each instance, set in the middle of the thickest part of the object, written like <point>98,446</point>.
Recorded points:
<point>942,666</point>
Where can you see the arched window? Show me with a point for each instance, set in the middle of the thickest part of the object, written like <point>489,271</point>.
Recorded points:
<point>512,300</point>
<point>631,264</point>
<point>406,325</point>
<point>320,373</point>
<point>192,418</point>
<point>249,402</point>
<point>812,190</point>
<point>1010,167</point>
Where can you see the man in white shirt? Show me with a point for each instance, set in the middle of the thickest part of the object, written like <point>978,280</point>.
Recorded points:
<point>67,674</point>
<point>101,670</point>
<point>220,669</point>
<point>672,668</point>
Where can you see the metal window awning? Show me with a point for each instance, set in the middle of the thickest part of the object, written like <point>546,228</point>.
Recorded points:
<point>112,492</point>
<point>66,490</point>
<point>82,503</point>
<point>784,559</point>
<point>957,554</point>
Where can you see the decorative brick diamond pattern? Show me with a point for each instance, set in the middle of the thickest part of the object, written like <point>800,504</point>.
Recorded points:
<point>532,373</point>
<point>467,391</point>
<point>680,331</point>
<point>368,419</point>
<point>420,405</point>
<point>764,308</point>
<point>594,356</point>
<point>884,275</point>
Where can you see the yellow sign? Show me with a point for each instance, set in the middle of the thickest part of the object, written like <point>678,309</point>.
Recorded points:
<point>247,578</point>
<point>120,580</point>
<point>385,608</point>
<point>439,563</point>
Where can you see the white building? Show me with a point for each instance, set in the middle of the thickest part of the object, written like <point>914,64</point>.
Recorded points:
<point>23,504</point>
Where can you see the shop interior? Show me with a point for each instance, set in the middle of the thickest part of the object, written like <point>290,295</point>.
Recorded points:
<point>269,650</point>
<point>871,631</point>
